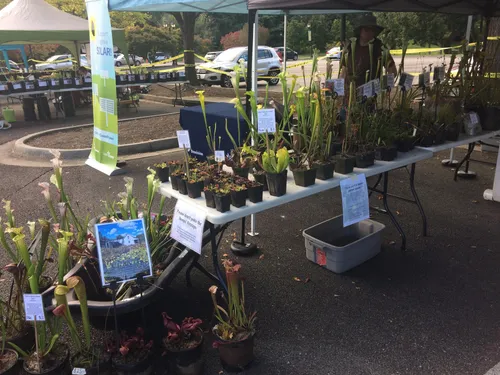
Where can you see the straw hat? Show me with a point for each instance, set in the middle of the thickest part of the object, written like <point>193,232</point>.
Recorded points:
<point>368,21</point>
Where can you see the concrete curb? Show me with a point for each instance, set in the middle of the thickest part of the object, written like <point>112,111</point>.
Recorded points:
<point>25,151</point>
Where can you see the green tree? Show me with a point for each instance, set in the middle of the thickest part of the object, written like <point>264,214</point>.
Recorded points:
<point>186,22</point>
<point>146,39</point>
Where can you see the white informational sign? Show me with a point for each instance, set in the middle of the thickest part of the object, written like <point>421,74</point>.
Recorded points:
<point>390,80</point>
<point>219,156</point>
<point>266,121</point>
<point>33,307</point>
<point>42,84</point>
<point>427,78</point>
<point>78,371</point>
<point>376,86</point>
<point>183,139</point>
<point>339,86</point>
<point>408,83</point>
<point>187,226</point>
<point>474,118</point>
<point>355,205</point>
<point>367,90</point>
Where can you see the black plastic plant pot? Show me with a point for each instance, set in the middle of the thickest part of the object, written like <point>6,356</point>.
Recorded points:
<point>194,189</point>
<point>406,144</point>
<point>255,193</point>
<point>242,172</point>
<point>140,78</point>
<point>4,89</point>
<point>261,179</point>
<point>385,153</point>
<point>187,361</point>
<point>453,132</point>
<point>236,356</point>
<point>335,148</point>
<point>239,198</point>
<point>304,177</point>
<point>344,164</point>
<point>163,174</point>
<point>209,199</point>
<point>43,84</point>
<point>101,368</point>
<point>78,82</point>
<point>489,118</point>
<point>440,137</point>
<point>143,366</point>
<point>87,81</point>
<point>392,152</point>
<point>174,180</point>
<point>59,363</point>
<point>162,77</point>
<point>152,77</point>
<point>30,86</point>
<point>122,79</point>
<point>365,160</point>
<point>222,202</point>
<point>55,83</point>
<point>131,78</point>
<point>324,171</point>
<point>68,83</point>
<point>24,339</point>
<point>276,183</point>
<point>17,86</point>
<point>427,140</point>
<point>182,183</point>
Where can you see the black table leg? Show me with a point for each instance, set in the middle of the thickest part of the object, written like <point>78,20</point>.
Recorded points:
<point>466,160</point>
<point>215,257</point>
<point>417,200</point>
<point>241,247</point>
<point>391,215</point>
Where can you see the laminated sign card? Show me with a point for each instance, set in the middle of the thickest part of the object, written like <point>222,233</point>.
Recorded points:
<point>355,205</point>
<point>187,226</point>
<point>123,251</point>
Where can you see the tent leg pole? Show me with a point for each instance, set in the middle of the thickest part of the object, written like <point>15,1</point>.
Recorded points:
<point>285,24</point>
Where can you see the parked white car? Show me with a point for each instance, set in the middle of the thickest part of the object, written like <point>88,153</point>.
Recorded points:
<point>334,53</point>
<point>211,56</point>
<point>132,59</point>
<point>56,62</point>
<point>268,65</point>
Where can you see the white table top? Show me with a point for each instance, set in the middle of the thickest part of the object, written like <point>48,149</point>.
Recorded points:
<point>462,140</point>
<point>294,192</point>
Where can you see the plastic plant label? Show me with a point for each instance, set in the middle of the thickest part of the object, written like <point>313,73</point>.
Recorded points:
<point>320,257</point>
<point>16,86</point>
<point>408,82</point>
<point>42,84</point>
<point>474,118</point>
<point>339,86</point>
<point>439,73</point>
<point>78,371</point>
<point>376,86</point>
<point>266,121</point>
<point>368,90</point>
<point>219,156</point>
<point>183,139</point>
<point>187,226</point>
<point>33,307</point>
<point>427,78</point>
<point>355,205</point>
<point>390,80</point>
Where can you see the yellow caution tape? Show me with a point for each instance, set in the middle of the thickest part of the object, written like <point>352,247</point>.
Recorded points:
<point>202,58</point>
<point>52,62</point>
<point>180,56</point>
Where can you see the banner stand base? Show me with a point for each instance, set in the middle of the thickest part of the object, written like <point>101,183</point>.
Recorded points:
<point>110,171</point>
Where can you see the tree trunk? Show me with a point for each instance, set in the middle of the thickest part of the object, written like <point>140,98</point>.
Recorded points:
<point>492,60</point>
<point>186,22</point>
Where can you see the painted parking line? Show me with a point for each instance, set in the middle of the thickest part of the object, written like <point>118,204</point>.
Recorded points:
<point>495,370</point>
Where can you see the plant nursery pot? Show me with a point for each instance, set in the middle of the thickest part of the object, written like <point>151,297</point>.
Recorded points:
<point>42,84</point>
<point>25,339</point>
<point>236,356</point>
<point>152,77</point>
<point>102,368</point>
<point>140,78</point>
<point>10,365</point>
<point>174,180</point>
<point>78,82</point>
<point>144,366</point>
<point>194,189</point>
<point>4,88</point>
<point>121,79</point>
<point>30,86</point>
<point>344,164</point>
<point>440,136</point>
<point>489,117</point>
<point>335,148</point>
<point>131,78</point>
<point>87,81</point>
<point>255,193</point>
<point>55,83</point>
<point>365,160</point>
<point>324,171</point>
<point>239,198</point>
<point>163,174</point>
<point>242,172</point>
<point>55,363</point>
<point>386,153</point>
<point>405,145</point>
<point>427,140</point>
<point>209,199</point>
<point>276,183</point>
<point>453,132</point>
<point>187,361</point>
<point>222,202</point>
<point>182,183</point>
<point>68,83</point>
<point>162,77</point>
<point>304,177</point>
<point>261,179</point>
<point>17,86</point>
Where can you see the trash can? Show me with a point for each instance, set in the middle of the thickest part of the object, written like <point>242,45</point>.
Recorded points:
<point>339,249</point>
<point>29,109</point>
<point>9,115</point>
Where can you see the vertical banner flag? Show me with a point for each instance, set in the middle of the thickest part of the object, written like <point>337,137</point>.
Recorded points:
<point>104,153</point>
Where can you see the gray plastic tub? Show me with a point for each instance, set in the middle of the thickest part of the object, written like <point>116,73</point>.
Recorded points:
<point>339,249</point>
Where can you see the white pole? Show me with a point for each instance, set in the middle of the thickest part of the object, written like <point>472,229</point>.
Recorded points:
<point>452,162</point>
<point>285,22</point>
<point>255,89</point>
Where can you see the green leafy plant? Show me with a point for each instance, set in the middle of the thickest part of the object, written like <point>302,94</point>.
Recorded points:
<point>275,162</point>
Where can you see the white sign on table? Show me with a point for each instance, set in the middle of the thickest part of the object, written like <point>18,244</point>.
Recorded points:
<point>220,156</point>
<point>266,122</point>
<point>339,86</point>
<point>183,139</point>
<point>187,226</point>
<point>474,118</point>
<point>33,307</point>
<point>355,205</point>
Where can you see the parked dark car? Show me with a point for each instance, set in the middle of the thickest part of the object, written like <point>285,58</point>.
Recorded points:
<point>290,53</point>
